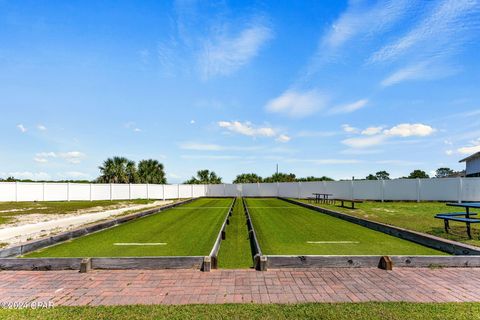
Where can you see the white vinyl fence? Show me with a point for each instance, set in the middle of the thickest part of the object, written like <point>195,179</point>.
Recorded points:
<point>449,189</point>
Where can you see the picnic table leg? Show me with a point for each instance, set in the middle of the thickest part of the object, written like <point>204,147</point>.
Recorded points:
<point>468,231</point>
<point>353,205</point>
<point>445,223</point>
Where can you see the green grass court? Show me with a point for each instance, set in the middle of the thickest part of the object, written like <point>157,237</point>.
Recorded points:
<point>287,229</point>
<point>187,230</point>
<point>417,216</point>
<point>191,229</point>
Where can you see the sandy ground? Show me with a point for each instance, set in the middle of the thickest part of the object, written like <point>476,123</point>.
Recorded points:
<point>33,226</point>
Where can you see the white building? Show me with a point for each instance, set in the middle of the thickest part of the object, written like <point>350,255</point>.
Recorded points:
<point>473,165</point>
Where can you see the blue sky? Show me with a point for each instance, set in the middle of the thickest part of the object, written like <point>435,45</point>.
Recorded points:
<point>336,88</point>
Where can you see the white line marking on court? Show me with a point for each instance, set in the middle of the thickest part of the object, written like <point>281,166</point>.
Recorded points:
<point>140,244</point>
<point>332,242</point>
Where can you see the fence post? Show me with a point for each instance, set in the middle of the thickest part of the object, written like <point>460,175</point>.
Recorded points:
<point>299,189</point>
<point>224,190</point>
<point>178,191</point>
<point>43,192</point>
<point>68,191</point>
<point>163,192</point>
<point>16,191</point>
<point>419,185</point>
<point>91,192</point>
<point>129,191</point>
<point>382,185</point>
<point>111,193</point>
<point>460,189</point>
<point>148,191</point>
<point>191,190</point>
<point>278,189</point>
<point>352,192</point>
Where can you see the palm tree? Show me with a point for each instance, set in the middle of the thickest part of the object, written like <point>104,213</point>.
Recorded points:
<point>118,170</point>
<point>151,171</point>
<point>205,177</point>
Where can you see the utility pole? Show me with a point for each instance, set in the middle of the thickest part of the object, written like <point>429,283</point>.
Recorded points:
<point>277,168</point>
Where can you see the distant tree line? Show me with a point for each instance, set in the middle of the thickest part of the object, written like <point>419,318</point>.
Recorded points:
<point>416,174</point>
<point>276,177</point>
<point>123,170</point>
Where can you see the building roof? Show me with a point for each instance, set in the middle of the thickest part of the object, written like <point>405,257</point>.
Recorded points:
<point>473,156</point>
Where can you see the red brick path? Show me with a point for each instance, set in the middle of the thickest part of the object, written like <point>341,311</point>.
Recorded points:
<point>274,286</point>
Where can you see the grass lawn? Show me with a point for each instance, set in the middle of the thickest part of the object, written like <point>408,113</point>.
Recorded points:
<point>235,250</point>
<point>417,216</point>
<point>284,228</point>
<point>187,230</point>
<point>339,311</point>
<point>8,210</point>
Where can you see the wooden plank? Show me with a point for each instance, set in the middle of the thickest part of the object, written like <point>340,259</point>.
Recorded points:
<point>427,240</point>
<point>194,262</point>
<point>40,263</point>
<point>311,261</point>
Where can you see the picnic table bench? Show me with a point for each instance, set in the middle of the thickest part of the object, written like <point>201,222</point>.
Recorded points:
<point>321,197</point>
<point>460,216</point>
<point>342,201</point>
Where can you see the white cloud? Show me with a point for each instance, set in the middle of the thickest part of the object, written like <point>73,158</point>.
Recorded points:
<point>348,108</point>
<point>137,130</point>
<point>42,157</point>
<point>192,121</point>
<point>361,20</point>
<point>441,32</point>
<point>283,138</point>
<point>247,129</point>
<point>419,71</point>
<point>364,142</point>
<point>41,127</point>
<point>22,128</point>
<point>372,131</point>
<point>470,149</point>
<point>223,55</point>
<point>376,135</point>
<point>408,130</point>
<point>74,157</point>
<point>448,152</point>
<point>349,129</point>
<point>297,104</point>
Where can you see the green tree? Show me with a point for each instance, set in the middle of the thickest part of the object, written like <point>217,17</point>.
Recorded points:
<point>418,174</point>
<point>151,171</point>
<point>248,178</point>
<point>118,170</point>
<point>281,177</point>
<point>382,175</point>
<point>312,178</point>
<point>443,172</point>
<point>205,177</point>
<point>371,177</point>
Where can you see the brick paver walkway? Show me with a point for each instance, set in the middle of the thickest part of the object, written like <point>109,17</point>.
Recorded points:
<point>274,286</point>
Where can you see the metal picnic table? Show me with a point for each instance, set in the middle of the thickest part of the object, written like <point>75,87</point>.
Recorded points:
<point>322,197</point>
<point>456,216</point>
